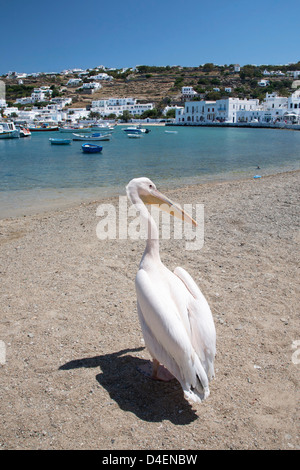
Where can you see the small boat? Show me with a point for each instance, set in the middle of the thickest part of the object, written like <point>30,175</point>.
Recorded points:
<point>24,131</point>
<point>134,136</point>
<point>91,148</point>
<point>8,131</point>
<point>70,129</point>
<point>60,141</point>
<point>93,137</point>
<point>43,127</point>
<point>136,130</point>
<point>171,132</point>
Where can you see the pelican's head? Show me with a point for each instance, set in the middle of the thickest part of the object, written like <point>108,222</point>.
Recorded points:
<point>144,189</point>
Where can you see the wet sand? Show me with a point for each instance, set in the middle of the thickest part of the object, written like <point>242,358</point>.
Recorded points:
<point>71,341</point>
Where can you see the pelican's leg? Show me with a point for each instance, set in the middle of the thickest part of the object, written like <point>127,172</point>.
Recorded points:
<point>155,366</point>
<point>156,371</point>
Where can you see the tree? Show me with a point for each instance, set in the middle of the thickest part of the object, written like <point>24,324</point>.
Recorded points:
<point>208,67</point>
<point>171,114</point>
<point>126,116</point>
<point>94,115</point>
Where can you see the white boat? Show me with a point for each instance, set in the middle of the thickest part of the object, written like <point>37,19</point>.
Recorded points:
<point>95,137</point>
<point>136,130</point>
<point>134,136</point>
<point>86,129</point>
<point>8,131</point>
<point>24,131</point>
<point>70,129</point>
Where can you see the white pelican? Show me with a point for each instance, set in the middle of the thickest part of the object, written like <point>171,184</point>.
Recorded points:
<point>175,318</point>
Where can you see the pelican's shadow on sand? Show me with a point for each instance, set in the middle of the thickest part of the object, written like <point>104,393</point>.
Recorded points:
<point>148,399</point>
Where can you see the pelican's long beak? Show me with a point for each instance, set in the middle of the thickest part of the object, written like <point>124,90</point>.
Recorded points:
<point>167,205</point>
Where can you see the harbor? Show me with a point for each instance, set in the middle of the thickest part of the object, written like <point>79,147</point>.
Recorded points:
<point>36,174</point>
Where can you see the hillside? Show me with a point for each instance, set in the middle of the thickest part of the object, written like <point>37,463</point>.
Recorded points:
<point>162,85</point>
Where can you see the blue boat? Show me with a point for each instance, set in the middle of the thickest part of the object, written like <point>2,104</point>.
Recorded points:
<point>91,148</point>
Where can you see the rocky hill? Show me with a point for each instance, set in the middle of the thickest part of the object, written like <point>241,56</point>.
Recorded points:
<point>162,85</point>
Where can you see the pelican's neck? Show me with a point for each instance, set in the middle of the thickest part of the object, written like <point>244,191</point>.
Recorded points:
<point>152,244</point>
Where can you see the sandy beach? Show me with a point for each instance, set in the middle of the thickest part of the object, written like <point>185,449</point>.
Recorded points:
<point>71,341</point>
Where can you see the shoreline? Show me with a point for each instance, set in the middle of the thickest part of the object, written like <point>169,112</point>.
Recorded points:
<point>259,125</point>
<point>60,199</point>
<point>73,342</point>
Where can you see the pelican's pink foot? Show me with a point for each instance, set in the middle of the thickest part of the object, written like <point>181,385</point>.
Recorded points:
<point>156,371</point>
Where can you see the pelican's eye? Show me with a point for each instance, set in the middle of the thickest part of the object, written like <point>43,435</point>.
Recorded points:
<point>150,186</point>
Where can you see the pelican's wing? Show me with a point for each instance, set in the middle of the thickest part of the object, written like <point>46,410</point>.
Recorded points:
<point>167,339</point>
<point>203,333</point>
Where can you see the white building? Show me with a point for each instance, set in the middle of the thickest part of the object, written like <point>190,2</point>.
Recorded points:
<point>41,94</point>
<point>75,114</point>
<point>118,105</point>
<point>74,82</point>
<point>224,110</point>
<point>196,111</point>
<point>294,73</point>
<point>168,108</point>
<point>61,102</point>
<point>25,100</point>
<point>188,92</point>
<point>263,82</point>
<point>100,76</point>
<point>273,101</point>
<point>91,86</point>
<point>273,109</point>
<point>293,107</point>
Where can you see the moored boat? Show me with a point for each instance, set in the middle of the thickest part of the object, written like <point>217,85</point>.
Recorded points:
<point>136,130</point>
<point>91,148</point>
<point>134,136</point>
<point>8,131</point>
<point>96,128</point>
<point>60,141</point>
<point>43,127</point>
<point>70,129</point>
<point>93,137</point>
<point>24,131</point>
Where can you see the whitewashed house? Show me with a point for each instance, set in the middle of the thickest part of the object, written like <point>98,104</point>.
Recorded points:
<point>24,100</point>
<point>293,107</point>
<point>294,74</point>
<point>188,92</point>
<point>169,108</point>
<point>274,109</point>
<point>74,82</point>
<point>118,105</point>
<point>273,101</point>
<point>231,109</point>
<point>61,102</point>
<point>100,76</point>
<point>224,110</point>
<point>75,114</point>
<point>263,82</point>
<point>41,94</point>
<point>91,86</point>
<point>196,112</point>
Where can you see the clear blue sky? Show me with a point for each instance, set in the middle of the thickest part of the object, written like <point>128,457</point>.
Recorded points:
<point>51,36</point>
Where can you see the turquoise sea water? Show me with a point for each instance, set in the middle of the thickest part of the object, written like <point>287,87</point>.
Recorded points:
<point>36,175</point>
